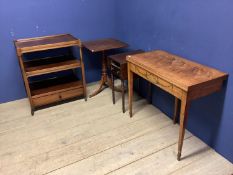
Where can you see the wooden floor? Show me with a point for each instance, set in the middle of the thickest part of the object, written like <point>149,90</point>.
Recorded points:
<point>94,137</point>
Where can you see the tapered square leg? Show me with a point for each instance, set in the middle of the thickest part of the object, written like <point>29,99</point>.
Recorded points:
<point>183,120</point>
<point>113,88</point>
<point>176,109</point>
<point>32,111</point>
<point>130,85</point>
<point>123,95</point>
<point>83,75</point>
<point>149,93</point>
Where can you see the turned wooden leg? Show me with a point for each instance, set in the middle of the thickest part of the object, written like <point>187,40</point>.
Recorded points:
<point>176,109</point>
<point>113,89</point>
<point>104,77</point>
<point>130,84</point>
<point>84,83</point>
<point>101,87</point>
<point>183,120</point>
<point>83,74</point>
<point>123,95</point>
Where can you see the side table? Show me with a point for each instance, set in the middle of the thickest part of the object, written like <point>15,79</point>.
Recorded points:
<point>103,46</point>
<point>118,66</point>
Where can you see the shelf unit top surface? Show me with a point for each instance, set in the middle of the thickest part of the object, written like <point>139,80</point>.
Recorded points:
<point>46,42</point>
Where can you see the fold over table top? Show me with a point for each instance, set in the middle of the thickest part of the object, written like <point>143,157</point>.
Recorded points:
<point>177,70</point>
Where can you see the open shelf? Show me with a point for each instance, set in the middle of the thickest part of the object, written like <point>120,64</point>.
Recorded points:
<point>54,85</point>
<point>50,64</point>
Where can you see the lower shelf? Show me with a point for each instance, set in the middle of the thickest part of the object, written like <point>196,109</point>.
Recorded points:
<point>55,90</point>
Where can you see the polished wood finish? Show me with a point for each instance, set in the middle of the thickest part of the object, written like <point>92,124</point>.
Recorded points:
<point>119,62</point>
<point>46,43</point>
<point>50,65</point>
<point>118,67</point>
<point>54,90</point>
<point>54,85</point>
<point>186,80</point>
<point>103,46</point>
<point>57,97</point>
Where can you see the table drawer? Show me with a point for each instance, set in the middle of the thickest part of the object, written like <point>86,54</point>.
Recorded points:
<point>141,72</point>
<point>49,99</point>
<point>152,78</point>
<point>72,93</point>
<point>45,100</point>
<point>163,84</point>
<point>115,70</point>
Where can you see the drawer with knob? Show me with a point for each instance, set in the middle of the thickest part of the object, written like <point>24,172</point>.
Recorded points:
<point>57,97</point>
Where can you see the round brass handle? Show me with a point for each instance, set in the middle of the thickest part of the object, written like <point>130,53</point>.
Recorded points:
<point>60,96</point>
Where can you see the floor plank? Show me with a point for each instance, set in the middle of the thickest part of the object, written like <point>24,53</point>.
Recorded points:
<point>210,164</point>
<point>69,154</point>
<point>10,109</point>
<point>95,137</point>
<point>54,113</point>
<point>163,163</point>
<point>19,110</point>
<point>75,134</point>
<point>37,128</point>
<point>124,154</point>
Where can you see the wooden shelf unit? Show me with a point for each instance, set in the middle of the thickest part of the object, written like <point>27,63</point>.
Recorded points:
<point>58,88</point>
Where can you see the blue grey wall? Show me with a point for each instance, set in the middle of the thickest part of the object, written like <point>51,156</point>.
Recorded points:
<point>201,31</point>
<point>85,19</point>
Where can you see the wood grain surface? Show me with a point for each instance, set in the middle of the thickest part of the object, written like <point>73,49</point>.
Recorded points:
<point>104,44</point>
<point>180,71</point>
<point>46,42</point>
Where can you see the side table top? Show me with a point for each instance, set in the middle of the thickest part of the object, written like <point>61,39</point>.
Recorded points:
<point>121,58</point>
<point>104,45</point>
